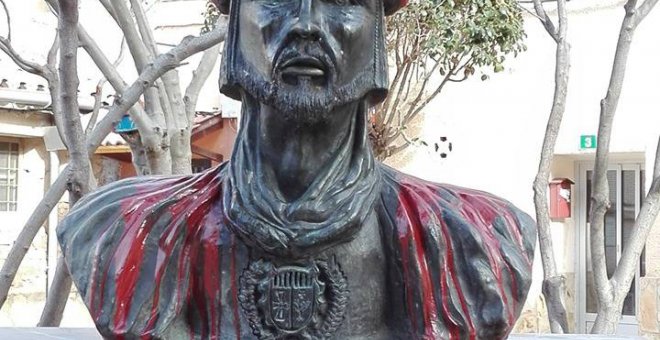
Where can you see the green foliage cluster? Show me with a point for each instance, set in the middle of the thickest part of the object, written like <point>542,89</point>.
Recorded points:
<point>448,31</point>
<point>435,42</point>
<point>211,16</point>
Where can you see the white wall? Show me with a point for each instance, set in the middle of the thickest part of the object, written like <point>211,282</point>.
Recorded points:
<point>497,126</point>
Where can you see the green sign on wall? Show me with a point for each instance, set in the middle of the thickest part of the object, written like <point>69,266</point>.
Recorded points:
<point>588,142</point>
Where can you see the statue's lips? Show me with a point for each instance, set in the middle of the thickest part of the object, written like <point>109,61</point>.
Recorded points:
<point>303,66</point>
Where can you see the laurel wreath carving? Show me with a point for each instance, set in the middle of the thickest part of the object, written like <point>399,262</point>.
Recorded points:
<point>247,296</point>
<point>338,292</point>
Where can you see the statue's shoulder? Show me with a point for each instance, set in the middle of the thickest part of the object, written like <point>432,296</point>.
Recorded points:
<point>123,238</point>
<point>126,203</point>
<point>454,239</point>
<point>134,197</point>
<point>409,192</point>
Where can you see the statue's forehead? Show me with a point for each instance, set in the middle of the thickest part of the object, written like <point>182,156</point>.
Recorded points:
<point>389,6</point>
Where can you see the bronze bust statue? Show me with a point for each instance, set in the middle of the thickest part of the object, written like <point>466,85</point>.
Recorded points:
<point>302,234</point>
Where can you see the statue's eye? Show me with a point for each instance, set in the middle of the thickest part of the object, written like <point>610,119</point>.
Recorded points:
<point>346,2</point>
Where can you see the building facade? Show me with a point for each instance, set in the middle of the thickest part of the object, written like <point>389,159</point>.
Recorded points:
<point>32,154</point>
<point>496,130</point>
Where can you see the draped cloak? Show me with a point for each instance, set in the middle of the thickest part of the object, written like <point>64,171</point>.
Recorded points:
<point>150,253</point>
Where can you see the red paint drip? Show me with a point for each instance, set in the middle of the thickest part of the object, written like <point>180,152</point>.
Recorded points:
<point>428,194</point>
<point>96,299</point>
<point>211,277</point>
<point>127,207</point>
<point>449,268</point>
<point>480,208</point>
<point>190,201</point>
<point>406,216</point>
<point>128,258</point>
<point>404,238</point>
<point>234,289</point>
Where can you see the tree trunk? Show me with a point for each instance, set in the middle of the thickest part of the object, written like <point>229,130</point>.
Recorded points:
<point>600,197</point>
<point>30,229</point>
<point>611,292</point>
<point>110,171</point>
<point>80,171</point>
<point>159,158</point>
<point>181,153</point>
<point>51,316</point>
<point>553,282</point>
<point>607,319</point>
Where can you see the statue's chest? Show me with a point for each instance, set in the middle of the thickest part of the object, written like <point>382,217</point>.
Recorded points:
<point>339,294</point>
<point>364,264</point>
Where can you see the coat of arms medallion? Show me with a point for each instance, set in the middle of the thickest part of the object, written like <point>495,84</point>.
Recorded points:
<point>294,301</point>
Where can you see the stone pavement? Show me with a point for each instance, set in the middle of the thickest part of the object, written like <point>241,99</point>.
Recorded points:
<point>571,336</point>
<point>42,333</point>
<point>91,334</point>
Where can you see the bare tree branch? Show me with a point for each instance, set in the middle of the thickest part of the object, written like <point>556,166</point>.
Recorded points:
<point>528,11</point>
<point>629,261</point>
<point>545,20</point>
<point>111,10</point>
<point>173,58</point>
<point>164,86</point>
<point>611,293</point>
<point>137,47</point>
<point>58,294</point>
<point>26,65</point>
<point>53,79</point>
<point>200,75</point>
<point>181,150</point>
<point>163,63</point>
<point>155,138</point>
<point>600,196</point>
<point>644,9</point>
<point>656,167</point>
<point>47,71</point>
<point>144,28</point>
<point>138,153</point>
<point>51,58</point>
<point>397,98</point>
<point>98,94</point>
<point>553,282</point>
<point>106,67</point>
<point>108,70</point>
<point>98,99</point>
<point>4,6</point>
<point>79,176</point>
<point>420,107</point>
<point>22,243</point>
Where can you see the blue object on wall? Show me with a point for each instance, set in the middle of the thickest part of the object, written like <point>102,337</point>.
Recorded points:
<point>126,124</point>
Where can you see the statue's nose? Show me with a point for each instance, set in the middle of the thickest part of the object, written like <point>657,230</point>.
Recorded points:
<point>306,25</point>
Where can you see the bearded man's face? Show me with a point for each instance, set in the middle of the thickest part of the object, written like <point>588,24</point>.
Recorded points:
<point>305,57</point>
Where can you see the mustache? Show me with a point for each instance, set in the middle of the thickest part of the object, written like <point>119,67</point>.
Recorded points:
<point>295,48</point>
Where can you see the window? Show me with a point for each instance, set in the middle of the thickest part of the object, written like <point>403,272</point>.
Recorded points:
<point>200,164</point>
<point>8,176</point>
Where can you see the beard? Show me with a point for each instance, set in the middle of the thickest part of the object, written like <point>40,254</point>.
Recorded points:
<point>306,103</point>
